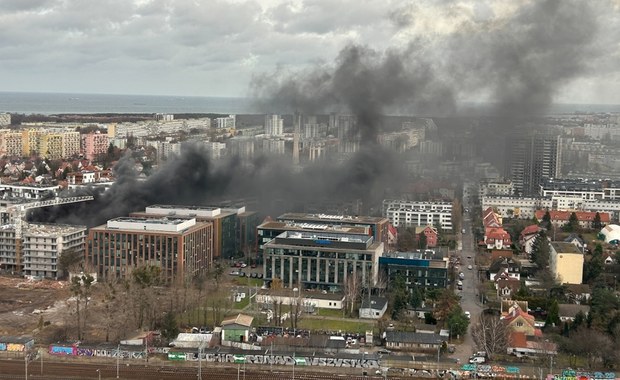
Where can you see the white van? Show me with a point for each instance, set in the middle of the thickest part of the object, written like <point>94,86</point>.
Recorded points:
<point>477,360</point>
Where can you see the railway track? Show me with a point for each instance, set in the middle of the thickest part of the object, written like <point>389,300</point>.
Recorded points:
<point>14,369</point>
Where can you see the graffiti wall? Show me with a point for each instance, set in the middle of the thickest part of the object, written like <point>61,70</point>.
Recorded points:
<point>290,360</point>
<point>62,350</point>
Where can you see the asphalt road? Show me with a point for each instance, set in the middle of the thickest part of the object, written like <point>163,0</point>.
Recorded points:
<point>79,369</point>
<point>469,300</point>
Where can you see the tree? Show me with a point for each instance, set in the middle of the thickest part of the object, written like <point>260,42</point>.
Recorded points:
<point>352,291</point>
<point>553,314</point>
<point>540,250</point>
<point>596,223</point>
<point>490,334</point>
<point>446,303</point>
<point>457,321</point>
<point>573,223</point>
<point>169,327</point>
<point>593,268</point>
<point>406,239</point>
<point>416,297</point>
<point>76,290</point>
<point>399,297</point>
<point>546,220</point>
<point>68,261</point>
<point>422,243</point>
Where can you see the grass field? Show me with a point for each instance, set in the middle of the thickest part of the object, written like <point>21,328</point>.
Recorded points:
<point>334,325</point>
<point>330,313</point>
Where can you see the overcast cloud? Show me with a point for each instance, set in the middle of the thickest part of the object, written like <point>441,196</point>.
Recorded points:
<point>215,47</point>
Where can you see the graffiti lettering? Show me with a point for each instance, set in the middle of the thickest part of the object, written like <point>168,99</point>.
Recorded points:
<point>290,360</point>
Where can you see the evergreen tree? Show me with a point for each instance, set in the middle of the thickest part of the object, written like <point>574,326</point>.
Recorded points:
<point>596,223</point>
<point>546,220</point>
<point>573,223</point>
<point>580,318</point>
<point>594,267</point>
<point>417,297</point>
<point>169,328</point>
<point>540,250</point>
<point>553,314</point>
<point>422,243</point>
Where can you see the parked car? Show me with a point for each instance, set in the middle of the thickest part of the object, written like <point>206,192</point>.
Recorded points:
<point>460,283</point>
<point>470,267</point>
<point>462,276</point>
<point>234,273</point>
<point>477,359</point>
<point>241,274</point>
<point>468,314</point>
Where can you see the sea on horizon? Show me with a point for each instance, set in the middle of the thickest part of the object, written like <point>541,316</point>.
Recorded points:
<point>44,103</point>
<point>61,103</point>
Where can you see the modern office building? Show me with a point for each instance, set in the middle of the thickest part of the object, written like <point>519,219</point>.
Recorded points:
<point>225,244</point>
<point>566,263</point>
<point>181,247</point>
<point>427,269</point>
<point>321,260</point>
<point>531,158</point>
<point>378,225</point>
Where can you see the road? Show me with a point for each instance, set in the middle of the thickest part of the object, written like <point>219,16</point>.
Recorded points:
<point>469,300</point>
<point>81,369</point>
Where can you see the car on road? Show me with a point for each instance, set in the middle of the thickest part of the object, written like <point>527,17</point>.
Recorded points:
<point>384,351</point>
<point>477,360</point>
<point>460,283</point>
<point>468,314</point>
<point>470,267</point>
<point>468,256</point>
<point>462,276</point>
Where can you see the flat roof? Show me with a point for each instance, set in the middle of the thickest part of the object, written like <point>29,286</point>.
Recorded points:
<point>165,220</point>
<point>287,225</point>
<point>331,218</point>
<point>563,247</point>
<point>48,229</point>
<point>325,236</point>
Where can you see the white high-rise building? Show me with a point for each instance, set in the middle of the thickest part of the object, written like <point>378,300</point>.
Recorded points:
<point>5,119</point>
<point>274,125</point>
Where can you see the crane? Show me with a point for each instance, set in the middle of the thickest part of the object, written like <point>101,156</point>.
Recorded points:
<point>18,212</point>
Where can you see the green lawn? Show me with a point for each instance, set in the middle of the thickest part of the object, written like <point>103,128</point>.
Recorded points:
<point>247,281</point>
<point>329,313</point>
<point>244,302</point>
<point>334,325</point>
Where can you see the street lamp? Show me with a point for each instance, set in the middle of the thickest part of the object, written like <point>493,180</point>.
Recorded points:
<point>99,374</point>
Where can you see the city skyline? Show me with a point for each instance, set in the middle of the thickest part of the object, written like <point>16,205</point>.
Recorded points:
<point>162,47</point>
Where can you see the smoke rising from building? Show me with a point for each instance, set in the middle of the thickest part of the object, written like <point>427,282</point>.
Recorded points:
<point>518,63</point>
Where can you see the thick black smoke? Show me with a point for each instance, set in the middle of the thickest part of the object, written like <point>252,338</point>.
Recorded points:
<point>520,62</point>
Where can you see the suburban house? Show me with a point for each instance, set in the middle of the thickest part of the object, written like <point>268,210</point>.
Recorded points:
<point>504,268</point>
<point>577,241</point>
<point>507,287</point>
<point>578,293</point>
<point>431,235</point>
<point>412,341</point>
<point>527,237</point>
<point>521,344</point>
<point>237,328</point>
<point>373,307</point>
<point>491,219</point>
<point>567,311</point>
<point>496,238</point>
<point>518,320</point>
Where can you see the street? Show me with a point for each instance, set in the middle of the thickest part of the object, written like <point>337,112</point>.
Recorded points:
<point>469,300</point>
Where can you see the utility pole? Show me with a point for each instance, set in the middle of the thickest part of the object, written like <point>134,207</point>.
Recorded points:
<point>41,353</point>
<point>118,358</point>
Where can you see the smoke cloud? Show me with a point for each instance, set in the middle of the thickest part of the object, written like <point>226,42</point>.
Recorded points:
<point>518,63</point>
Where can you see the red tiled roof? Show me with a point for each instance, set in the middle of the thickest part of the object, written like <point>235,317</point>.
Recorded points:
<point>532,229</point>
<point>582,216</point>
<point>518,339</point>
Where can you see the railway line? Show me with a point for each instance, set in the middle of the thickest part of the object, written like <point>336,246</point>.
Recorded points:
<point>15,369</point>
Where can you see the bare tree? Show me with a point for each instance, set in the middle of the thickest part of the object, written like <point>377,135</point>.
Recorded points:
<point>490,334</point>
<point>352,290</point>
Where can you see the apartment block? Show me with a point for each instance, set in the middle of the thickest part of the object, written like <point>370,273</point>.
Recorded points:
<point>403,213</point>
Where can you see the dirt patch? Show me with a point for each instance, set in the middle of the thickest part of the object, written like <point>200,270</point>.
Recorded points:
<point>25,303</point>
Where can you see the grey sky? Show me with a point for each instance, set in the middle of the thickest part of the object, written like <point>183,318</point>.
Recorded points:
<point>215,47</point>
